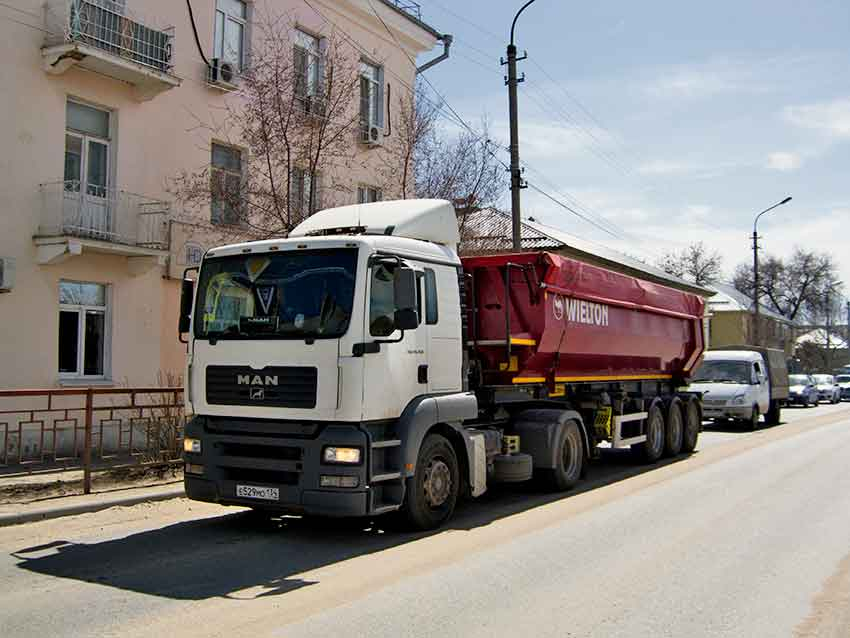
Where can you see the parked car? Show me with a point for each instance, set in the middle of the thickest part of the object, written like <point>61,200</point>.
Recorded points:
<point>803,390</point>
<point>828,389</point>
<point>843,381</point>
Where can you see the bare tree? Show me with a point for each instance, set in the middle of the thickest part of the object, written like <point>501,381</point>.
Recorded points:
<point>427,160</point>
<point>696,264</point>
<point>294,120</point>
<point>798,288</point>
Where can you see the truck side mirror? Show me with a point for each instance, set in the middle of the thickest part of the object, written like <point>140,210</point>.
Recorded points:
<point>406,314</point>
<point>187,293</point>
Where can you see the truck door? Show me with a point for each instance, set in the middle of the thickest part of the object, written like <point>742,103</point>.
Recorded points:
<point>395,374</point>
<point>762,387</point>
<point>442,322</point>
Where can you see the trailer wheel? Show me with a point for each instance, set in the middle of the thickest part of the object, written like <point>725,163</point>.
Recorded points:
<point>673,428</point>
<point>570,460</point>
<point>693,423</point>
<point>433,490</point>
<point>652,449</point>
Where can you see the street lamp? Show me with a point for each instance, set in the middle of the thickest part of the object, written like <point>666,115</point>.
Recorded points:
<point>516,172</point>
<point>756,269</point>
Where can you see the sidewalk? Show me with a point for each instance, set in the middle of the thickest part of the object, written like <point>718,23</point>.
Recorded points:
<point>26,512</point>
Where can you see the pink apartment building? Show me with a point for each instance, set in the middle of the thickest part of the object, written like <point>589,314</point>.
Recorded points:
<point>100,105</point>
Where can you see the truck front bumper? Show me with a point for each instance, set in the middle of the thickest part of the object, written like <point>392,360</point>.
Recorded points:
<point>292,465</point>
<point>727,412</point>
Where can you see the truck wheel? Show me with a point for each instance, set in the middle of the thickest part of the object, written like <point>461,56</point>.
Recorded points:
<point>693,424</point>
<point>673,428</point>
<point>433,489</point>
<point>652,449</point>
<point>570,459</point>
<point>753,421</point>
<point>774,414</point>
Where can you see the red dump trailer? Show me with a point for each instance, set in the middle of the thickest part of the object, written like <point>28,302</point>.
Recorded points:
<point>548,335</point>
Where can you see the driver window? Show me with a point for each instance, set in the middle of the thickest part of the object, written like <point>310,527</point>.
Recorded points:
<point>756,374</point>
<point>381,302</point>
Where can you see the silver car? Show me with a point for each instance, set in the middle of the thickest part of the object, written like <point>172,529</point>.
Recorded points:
<point>828,389</point>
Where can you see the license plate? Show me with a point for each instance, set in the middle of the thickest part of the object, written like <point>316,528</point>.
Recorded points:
<point>261,493</point>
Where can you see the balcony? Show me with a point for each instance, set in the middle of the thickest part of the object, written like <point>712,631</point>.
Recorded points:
<point>78,218</point>
<point>100,36</point>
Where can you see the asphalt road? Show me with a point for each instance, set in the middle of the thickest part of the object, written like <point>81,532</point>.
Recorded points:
<point>750,537</point>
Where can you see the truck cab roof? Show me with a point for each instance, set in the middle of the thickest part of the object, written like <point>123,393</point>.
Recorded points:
<point>733,355</point>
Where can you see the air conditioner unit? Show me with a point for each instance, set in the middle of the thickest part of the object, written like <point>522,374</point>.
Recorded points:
<point>371,135</point>
<point>222,74</point>
<point>7,274</point>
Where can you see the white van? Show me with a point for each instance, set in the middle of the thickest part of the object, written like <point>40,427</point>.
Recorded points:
<point>742,385</point>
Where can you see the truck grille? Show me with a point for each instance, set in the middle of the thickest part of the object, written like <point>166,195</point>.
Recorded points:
<point>274,386</point>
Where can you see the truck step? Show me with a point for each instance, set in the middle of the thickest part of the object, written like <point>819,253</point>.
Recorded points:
<point>389,476</point>
<point>387,443</point>
<point>385,508</point>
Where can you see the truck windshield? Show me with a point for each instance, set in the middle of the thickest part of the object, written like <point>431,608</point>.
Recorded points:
<point>722,372</point>
<point>798,379</point>
<point>284,295</point>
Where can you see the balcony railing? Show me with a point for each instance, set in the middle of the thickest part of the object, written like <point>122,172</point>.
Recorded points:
<point>408,6</point>
<point>106,25</point>
<point>73,209</point>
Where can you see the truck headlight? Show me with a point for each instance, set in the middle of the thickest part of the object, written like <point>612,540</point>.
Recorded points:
<point>346,455</point>
<point>192,446</point>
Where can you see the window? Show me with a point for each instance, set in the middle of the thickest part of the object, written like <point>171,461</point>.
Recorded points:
<point>381,302</point>
<point>229,40</point>
<point>225,184</point>
<point>371,103</point>
<point>306,59</point>
<point>430,297</point>
<point>87,161</point>
<point>82,329</point>
<point>194,253</point>
<point>368,194</point>
<point>305,191</point>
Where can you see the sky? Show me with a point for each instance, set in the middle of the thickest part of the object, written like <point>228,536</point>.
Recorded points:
<point>668,122</point>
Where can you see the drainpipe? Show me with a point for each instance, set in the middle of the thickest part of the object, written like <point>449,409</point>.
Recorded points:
<point>446,39</point>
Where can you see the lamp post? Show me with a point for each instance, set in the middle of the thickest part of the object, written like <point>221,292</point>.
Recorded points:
<point>516,173</point>
<point>756,318</point>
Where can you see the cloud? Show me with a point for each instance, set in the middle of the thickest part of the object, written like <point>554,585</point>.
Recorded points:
<point>832,117</point>
<point>784,161</point>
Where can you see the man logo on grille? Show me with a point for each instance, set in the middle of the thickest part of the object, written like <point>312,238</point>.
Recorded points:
<point>258,394</point>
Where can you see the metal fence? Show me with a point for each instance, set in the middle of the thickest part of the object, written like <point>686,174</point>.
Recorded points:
<point>108,25</point>
<point>89,428</point>
<point>83,210</point>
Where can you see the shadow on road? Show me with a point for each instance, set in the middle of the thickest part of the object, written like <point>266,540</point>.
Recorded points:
<point>219,556</point>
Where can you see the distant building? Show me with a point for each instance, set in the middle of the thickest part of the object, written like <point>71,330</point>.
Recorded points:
<point>731,320</point>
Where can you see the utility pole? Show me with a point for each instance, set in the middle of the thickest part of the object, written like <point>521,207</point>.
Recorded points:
<point>517,182</point>
<point>756,334</point>
<point>756,313</point>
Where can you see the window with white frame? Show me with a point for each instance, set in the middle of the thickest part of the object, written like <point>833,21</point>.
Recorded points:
<point>306,61</point>
<point>87,155</point>
<point>83,329</point>
<point>368,194</point>
<point>305,191</point>
<point>371,103</point>
<point>225,184</point>
<point>230,31</point>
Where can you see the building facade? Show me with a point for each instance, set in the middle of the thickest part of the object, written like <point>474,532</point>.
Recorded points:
<point>731,320</point>
<point>101,108</point>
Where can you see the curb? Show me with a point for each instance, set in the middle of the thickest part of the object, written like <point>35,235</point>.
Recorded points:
<point>92,506</point>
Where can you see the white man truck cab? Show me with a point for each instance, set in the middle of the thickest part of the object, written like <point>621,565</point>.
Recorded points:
<point>315,361</point>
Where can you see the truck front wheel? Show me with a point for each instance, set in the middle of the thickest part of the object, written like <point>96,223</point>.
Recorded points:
<point>432,491</point>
